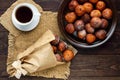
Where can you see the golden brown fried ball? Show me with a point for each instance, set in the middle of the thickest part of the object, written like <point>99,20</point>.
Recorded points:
<point>54,48</point>
<point>100,5</point>
<point>101,34</point>
<point>82,34</point>
<point>88,7</point>
<point>86,18</point>
<point>79,25</point>
<point>80,10</point>
<point>56,41</point>
<point>73,4</point>
<point>90,38</point>
<point>95,13</point>
<point>70,17</point>
<point>68,55</point>
<point>89,28</point>
<point>107,13</point>
<point>96,22</point>
<point>62,46</point>
<point>58,57</point>
<point>70,28</point>
<point>104,23</point>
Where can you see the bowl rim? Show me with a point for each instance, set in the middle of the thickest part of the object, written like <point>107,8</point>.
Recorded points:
<point>80,44</point>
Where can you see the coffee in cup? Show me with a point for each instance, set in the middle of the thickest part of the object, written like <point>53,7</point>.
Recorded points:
<point>25,16</point>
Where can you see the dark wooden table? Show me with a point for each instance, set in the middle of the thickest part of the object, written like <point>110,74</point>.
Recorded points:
<point>101,63</point>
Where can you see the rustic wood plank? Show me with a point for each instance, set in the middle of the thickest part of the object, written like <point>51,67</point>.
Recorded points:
<point>117,3</point>
<point>95,78</point>
<point>76,78</point>
<point>5,4</point>
<point>48,5</point>
<point>29,78</point>
<point>3,43</point>
<point>3,59</point>
<point>2,29</point>
<point>91,65</point>
<point>85,65</point>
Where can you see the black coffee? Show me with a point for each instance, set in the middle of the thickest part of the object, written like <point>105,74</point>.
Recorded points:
<point>24,14</point>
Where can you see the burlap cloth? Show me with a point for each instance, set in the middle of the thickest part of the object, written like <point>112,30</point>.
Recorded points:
<point>20,41</point>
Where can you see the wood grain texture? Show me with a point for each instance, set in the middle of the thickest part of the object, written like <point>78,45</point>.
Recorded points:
<point>85,66</point>
<point>3,43</point>
<point>101,63</point>
<point>91,65</point>
<point>76,78</point>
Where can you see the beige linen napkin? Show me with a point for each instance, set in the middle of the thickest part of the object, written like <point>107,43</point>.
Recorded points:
<point>20,41</point>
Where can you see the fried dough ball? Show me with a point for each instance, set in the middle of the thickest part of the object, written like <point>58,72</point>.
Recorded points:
<point>80,10</point>
<point>62,46</point>
<point>54,48</point>
<point>95,13</point>
<point>101,34</point>
<point>96,22</point>
<point>73,4</point>
<point>89,28</point>
<point>82,34</point>
<point>86,18</point>
<point>70,17</point>
<point>56,41</point>
<point>93,1</point>
<point>100,5</point>
<point>79,25</point>
<point>70,28</point>
<point>68,55</point>
<point>104,23</point>
<point>90,38</point>
<point>58,57</point>
<point>107,13</point>
<point>88,7</point>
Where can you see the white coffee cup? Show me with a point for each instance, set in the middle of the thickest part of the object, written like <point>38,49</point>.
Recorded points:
<point>20,21</point>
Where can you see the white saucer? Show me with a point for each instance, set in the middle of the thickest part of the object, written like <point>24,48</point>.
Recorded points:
<point>31,26</point>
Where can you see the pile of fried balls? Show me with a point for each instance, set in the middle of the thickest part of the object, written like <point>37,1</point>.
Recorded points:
<point>88,20</point>
<point>61,50</point>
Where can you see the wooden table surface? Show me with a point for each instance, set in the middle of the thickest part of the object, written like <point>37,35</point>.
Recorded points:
<point>101,63</point>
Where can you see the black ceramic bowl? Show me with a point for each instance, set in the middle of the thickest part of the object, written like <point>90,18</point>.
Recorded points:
<point>75,41</point>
